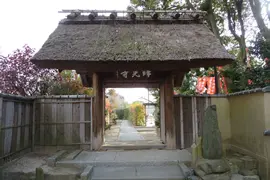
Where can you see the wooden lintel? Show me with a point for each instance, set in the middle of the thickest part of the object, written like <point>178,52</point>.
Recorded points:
<point>131,85</point>
<point>133,81</point>
<point>112,66</point>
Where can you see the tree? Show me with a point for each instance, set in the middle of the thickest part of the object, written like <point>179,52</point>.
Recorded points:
<point>20,76</point>
<point>156,93</point>
<point>108,107</point>
<point>206,5</point>
<point>237,14</point>
<point>234,10</point>
<point>256,8</point>
<point>68,83</point>
<point>154,4</point>
<point>137,113</point>
<point>123,113</point>
<point>116,100</point>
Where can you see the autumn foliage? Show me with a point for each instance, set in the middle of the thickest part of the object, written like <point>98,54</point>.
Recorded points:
<point>68,83</point>
<point>108,105</point>
<point>20,76</point>
<point>137,114</point>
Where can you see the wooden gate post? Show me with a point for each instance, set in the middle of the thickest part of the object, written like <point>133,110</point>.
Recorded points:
<point>162,114</point>
<point>98,112</point>
<point>167,107</point>
<point>1,133</point>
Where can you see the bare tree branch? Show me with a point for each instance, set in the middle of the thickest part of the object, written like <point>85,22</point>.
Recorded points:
<point>256,10</point>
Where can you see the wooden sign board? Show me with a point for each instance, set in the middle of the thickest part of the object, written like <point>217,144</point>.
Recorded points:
<point>135,74</point>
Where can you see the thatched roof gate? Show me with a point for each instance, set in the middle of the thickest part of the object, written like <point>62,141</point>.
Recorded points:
<point>102,49</point>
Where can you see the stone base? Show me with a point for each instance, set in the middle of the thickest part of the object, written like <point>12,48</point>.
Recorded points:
<point>233,167</point>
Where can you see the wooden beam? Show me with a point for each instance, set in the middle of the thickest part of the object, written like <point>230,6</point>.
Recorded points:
<point>182,122</point>
<point>33,126</point>
<point>112,66</point>
<point>2,137</point>
<point>86,80</point>
<point>73,15</point>
<point>169,112</point>
<point>162,113</point>
<point>131,85</point>
<point>135,75</point>
<point>98,111</point>
<point>114,80</point>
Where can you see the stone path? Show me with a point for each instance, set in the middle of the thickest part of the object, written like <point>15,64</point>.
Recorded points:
<point>132,165</point>
<point>110,165</point>
<point>128,132</point>
<point>171,172</point>
<point>124,136</point>
<point>112,134</point>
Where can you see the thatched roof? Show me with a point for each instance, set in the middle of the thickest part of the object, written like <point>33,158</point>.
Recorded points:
<point>77,41</point>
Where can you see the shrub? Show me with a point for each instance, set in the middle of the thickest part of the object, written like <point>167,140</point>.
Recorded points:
<point>123,113</point>
<point>137,114</point>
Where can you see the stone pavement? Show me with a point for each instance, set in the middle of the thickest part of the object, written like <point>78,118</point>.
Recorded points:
<point>124,136</point>
<point>132,165</point>
<point>172,172</point>
<point>125,165</point>
<point>112,134</point>
<point>128,132</point>
<point>138,157</point>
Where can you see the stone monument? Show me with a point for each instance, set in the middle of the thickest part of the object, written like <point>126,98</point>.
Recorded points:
<point>211,136</point>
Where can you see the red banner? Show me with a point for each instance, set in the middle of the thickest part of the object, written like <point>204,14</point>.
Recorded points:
<point>201,83</point>
<point>211,85</point>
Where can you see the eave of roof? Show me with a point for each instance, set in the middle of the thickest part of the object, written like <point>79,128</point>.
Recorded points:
<point>152,41</point>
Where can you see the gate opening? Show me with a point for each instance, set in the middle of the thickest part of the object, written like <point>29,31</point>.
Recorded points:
<point>132,119</point>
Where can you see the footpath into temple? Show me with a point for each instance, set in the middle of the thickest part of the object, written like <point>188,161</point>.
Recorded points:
<point>124,136</point>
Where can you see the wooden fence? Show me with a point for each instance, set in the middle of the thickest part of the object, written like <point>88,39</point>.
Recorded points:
<point>63,121</point>
<point>189,116</point>
<point>43,121</point>
<point>15,126</point>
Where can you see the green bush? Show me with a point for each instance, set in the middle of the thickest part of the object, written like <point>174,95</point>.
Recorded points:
<point>108,126</point>
<point>123,113</point>
<point>137,114</point>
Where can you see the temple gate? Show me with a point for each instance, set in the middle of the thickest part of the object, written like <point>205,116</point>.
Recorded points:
<point>152,49</point>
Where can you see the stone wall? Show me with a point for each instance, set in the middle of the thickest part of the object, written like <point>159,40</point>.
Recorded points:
<point>243,117</point>
<point>249,119</point>
<point>223,114</point>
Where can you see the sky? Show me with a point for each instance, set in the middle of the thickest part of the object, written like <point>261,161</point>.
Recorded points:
<point>135,94</point>
<point>32,21</point>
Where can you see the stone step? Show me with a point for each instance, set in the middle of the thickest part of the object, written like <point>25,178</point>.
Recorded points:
<point>128,158</point>
<point>73,154</point>
<point>117,164</point>
<point>169,172</point>
<point>51,161</point>
<point>133,147</point>
<point>62,155</point>
<point>87,172</point>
